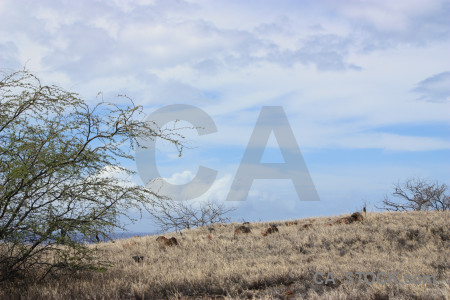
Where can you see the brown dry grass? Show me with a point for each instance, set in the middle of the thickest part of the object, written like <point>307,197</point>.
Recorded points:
<point>279,266</point>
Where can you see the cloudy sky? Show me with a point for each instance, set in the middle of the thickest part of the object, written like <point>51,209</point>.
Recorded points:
<point>365,85</point>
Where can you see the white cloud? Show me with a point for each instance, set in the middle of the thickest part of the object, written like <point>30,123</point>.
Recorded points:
<point>435,88</point>
<point>217,192</point>
<point>399,17</point>
<point>53,19</point>
<point>114,172</point>
<point>394,142</point>
<point>346,73</point>
<point>180,178</point>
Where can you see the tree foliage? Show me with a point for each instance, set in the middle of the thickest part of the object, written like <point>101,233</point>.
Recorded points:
<point>418,194</point>
<point>55,191</point>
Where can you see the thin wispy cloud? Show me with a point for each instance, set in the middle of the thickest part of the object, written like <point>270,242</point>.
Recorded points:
<point>435,88</point>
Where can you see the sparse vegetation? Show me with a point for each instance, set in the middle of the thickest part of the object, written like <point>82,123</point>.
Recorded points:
<point>177,215</point>
<point>211,263</point>
<point>58,158</point>
<point>418,194</point>
<point>57,193</point>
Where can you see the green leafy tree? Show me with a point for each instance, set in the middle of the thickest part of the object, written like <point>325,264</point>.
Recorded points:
<point>55,193</point>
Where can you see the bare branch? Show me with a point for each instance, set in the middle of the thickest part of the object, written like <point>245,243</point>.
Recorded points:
<point>174,215</point>
<point>418,194</point>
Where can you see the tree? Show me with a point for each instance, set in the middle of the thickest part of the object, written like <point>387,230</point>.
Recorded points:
<point>55,191</point>
<point>177,215</point>
<point>418,194</point>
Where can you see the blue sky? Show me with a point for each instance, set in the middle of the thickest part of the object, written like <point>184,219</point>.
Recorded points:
<point>365,84</point>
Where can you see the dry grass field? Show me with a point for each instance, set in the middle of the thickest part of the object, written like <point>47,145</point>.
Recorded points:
<point>219,264</point>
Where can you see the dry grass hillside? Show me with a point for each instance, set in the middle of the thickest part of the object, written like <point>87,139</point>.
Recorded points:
<point>220,264</point>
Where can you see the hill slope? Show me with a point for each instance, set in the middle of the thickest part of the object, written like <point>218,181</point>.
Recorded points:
<point>281,265</point>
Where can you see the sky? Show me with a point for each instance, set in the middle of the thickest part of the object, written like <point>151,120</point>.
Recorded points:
<point>364,85</point>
